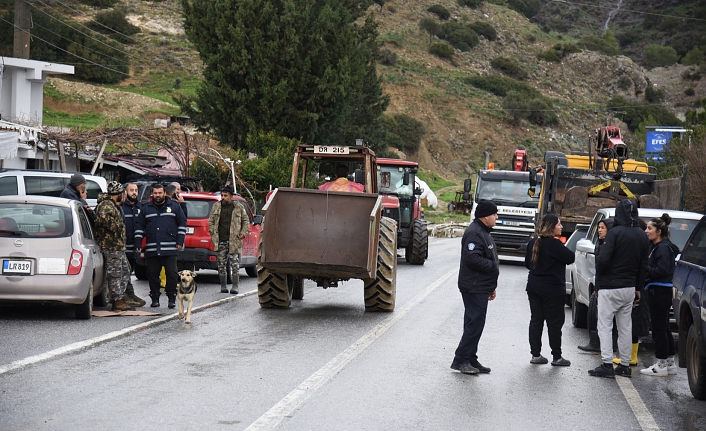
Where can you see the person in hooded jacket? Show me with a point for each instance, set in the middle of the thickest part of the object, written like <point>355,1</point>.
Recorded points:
<point>660,269</point>
<point>546,259</point>
<point>621,266</point>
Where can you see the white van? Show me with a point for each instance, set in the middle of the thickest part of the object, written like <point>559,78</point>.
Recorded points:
<point>47,183</point>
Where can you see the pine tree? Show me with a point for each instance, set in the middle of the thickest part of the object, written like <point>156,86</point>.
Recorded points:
<point>304,69</point>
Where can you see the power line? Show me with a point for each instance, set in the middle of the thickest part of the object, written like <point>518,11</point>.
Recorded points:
<point>572,3</point>
<point>75,29</point>
<point>62,49</point>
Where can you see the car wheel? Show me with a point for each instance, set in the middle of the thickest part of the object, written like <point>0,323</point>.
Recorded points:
<point>696,363</point>
<point>579,312</point>
<point>103,298</point>
<point>83,310</point>
<point>251,271</point>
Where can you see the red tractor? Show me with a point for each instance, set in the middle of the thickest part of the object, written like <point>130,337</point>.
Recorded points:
<point>400,201</point>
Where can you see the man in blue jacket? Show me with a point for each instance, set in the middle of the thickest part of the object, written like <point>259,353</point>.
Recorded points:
<point>477,280</point>
<point>131,209</point>
<point>161,221</point>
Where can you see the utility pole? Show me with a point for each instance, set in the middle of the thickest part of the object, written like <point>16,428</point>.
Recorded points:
<point>20,48</point>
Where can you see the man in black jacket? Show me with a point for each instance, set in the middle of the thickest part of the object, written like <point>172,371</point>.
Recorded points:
<point>621,266</point>
<point>477,280</point>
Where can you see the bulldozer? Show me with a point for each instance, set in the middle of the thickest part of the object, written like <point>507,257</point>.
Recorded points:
<point>327,236</point>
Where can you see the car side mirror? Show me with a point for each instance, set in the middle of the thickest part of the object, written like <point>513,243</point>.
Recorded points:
<point>418,191</point>
<point>467,185</point>
<point>257,219</point>
<point>585,246</point>
<point>405,178</point>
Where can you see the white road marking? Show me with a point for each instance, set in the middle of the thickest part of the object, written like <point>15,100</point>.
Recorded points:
<point>292,401</point>
<point>91,342</point>
<point>644,418</point>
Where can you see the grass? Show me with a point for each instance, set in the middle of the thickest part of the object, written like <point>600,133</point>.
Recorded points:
<point>448,196</point>
<point>434,181</point>
<point>160,86</point>
<point>90,120</point>
<point>443,216</point>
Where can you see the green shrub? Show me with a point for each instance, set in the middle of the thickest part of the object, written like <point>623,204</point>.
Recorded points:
<point>517,5</point>
<point>691,74</point>
<point>564,49</point>
<point>114,24</point>
<point>502,85</point>
<point>442,49</point>
<point>537,110</point>
<point>403,132</point>
<point>549,55</point>
<point>689,91</point>
<point>624,83</point>
<point>463,38</point>
<point>100,3</point>
<point>470,3</point>
<point>429,25</point>
<point>659,56</point>
<point>628,37</point>
<point>654,95</point>
<point>533,8</point>
<point>448,28</point>
<point>439,11</point>
<point>508,67</point>
<point>387,57</point>
<point>638,112</point>
<point>695,56</point>
<point>484,29</point>
<point>607,44</point>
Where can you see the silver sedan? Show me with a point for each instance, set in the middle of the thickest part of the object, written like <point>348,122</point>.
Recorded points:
<point>48,253</point>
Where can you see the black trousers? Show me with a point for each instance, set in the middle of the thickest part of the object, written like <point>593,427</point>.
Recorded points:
<point>660,299</point>
<point>476,307</point>
<point>154,267</point>
<point>550,309</point>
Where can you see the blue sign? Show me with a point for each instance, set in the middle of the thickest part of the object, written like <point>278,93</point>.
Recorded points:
<point>657,142</point>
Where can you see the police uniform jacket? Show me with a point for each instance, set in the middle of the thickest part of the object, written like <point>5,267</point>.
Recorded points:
<point>110,229</point>
<point>164,228</point>
<point>130,212</point>
<point>239,225</point>
<point>479,260</point>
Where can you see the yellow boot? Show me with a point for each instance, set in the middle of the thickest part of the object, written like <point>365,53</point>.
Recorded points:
<point>633,357</point>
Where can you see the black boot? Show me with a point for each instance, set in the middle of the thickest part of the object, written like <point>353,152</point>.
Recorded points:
<point>594,343</point>
<point>155,300</point>
<point>172,301</point>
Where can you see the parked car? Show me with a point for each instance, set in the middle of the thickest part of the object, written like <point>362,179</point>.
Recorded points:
<point>584,275</point>
<point>145,182</point>
<point>199,252</point>
<point>690,309</point>
<point>579,233</point>
<point>47,183</point>
<point>49,254</point>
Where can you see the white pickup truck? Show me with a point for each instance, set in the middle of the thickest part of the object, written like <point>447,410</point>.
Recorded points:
<point>583,277</point>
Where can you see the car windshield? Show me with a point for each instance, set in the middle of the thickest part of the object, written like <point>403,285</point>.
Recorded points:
<point>506,191</point>
<point>35,220</point>
<point>391,179</point>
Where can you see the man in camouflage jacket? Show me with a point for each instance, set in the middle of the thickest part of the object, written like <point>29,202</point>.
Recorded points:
<point>110,234</point>
<point>228,224</point>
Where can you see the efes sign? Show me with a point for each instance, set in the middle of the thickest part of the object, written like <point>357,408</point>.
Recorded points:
<point>657,142</point>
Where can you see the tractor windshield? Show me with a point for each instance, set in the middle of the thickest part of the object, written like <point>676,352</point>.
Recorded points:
<point>391,179</point>
<point>507,192</point>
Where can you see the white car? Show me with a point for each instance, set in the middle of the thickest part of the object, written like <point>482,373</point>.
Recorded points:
<point>579,234</point>
<point>48,254</point>
<point>584,274</point>
<point>47,183</point>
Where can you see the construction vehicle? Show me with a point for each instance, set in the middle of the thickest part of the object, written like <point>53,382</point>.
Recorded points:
<point>400,202</point>
<point>575,186</point>
<point>462,203</point>
<point>520,163</point>
<point>327,236</point>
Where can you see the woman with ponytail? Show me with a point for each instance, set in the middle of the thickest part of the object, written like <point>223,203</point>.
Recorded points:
<point>546,260</point>
<point>660,269</point>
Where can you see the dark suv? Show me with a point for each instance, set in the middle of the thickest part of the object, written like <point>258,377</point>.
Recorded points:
<point>690,309</point>
<point>199,252</point>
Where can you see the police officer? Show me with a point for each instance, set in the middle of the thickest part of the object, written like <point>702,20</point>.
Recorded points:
<point>161,221</point>
<point>110,234</point>
<point>477,280</point>
<point>228,224</point>
<point>131,209</point>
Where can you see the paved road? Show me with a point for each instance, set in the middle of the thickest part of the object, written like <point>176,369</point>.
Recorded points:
<point>323,364</point>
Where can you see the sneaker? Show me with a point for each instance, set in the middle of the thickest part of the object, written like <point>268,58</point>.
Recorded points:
<point>121,305</point>
<point>465,368</point>
<point>539,360</point>
<point>603,370</point>
<point>671,366</point>
<point>480,367</point>
<point>623,370</point>
<point>561,362</point>
<point>659,369</point>
<point>140,302</point>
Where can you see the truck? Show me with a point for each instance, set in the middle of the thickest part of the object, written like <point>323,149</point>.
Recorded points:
<point>327,236</point>
<point>516,209</point>
<point>689,305</point>
<point>400,202</point>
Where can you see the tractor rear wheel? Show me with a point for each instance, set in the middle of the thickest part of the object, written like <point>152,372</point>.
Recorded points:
<point>418,250</point>
<point>273,290</point>
<point>380,291</point>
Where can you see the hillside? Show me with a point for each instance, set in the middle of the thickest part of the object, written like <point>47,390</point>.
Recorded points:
<point>461,121</point>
